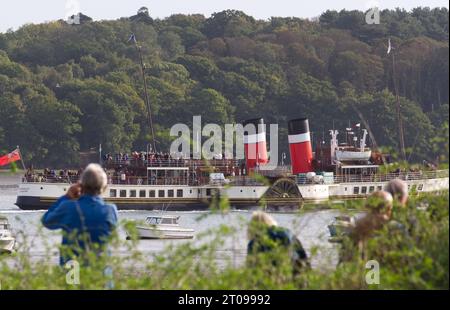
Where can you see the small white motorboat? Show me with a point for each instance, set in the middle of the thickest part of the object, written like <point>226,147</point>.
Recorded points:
<point>163,227</point>
<point>7,240</point>
<point>340,227</point>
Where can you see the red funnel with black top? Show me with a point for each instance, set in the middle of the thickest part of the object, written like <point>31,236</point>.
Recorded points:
<point>300,145</point>
<point>255,147</point>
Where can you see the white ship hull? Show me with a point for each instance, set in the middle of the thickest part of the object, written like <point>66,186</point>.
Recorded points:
<point>7,245</point>
<point>160,232</point>
<point>33,196</point>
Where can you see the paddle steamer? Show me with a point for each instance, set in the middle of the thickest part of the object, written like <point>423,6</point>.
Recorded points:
<point>334,171</point>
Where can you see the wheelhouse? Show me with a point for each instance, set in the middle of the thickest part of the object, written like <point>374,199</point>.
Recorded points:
<point>4,224</point>
<point>162,220</point>
<point>168,175</point>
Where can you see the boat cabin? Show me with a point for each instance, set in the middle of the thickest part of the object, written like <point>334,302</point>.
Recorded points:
<point>356,173</point>
<point>357,169</point>
<point>4,224</point>
<point>168,175</point>
<point>162,220</point>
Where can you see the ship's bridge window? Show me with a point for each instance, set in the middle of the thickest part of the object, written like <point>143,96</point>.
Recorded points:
<point>123,193</point>
<point>364,190</point>
<point>151,193</point>
<point>133,193</point>
<point>112,193</point>
<point>371,189</point>
<point>170,193</point>
<point>142,193</point>
<point>356,190</point>
<point>161,193</point>
<point>208,192</point>
<point>179,193</point>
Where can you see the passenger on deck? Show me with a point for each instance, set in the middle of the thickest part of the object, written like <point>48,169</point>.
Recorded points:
<point>86,220</point>
<point>123,177</point>
<point>266,238</point>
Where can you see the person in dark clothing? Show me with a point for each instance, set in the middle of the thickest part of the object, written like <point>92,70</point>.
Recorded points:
<point>266,238</point>
<point>86,220</point>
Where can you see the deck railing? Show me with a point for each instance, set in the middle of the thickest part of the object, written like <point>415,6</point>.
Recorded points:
<point>241,180</point>
<point>164,162</point>
<point>50,179</point>
<point>133,180</point>
<point>407,176</point>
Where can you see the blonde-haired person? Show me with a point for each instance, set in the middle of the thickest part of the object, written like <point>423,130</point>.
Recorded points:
<point>379,205</point>
<point>267,238</point>
<point>85,218</point>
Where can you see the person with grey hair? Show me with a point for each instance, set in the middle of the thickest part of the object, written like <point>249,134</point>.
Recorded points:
<point>86,219</point>
<point>406,220</point>
<point>399,191</point>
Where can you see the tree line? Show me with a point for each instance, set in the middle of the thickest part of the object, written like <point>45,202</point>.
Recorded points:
<point>66,88</point>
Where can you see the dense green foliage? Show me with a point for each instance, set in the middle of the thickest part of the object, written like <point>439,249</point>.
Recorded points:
<point>417,259</point>
<point>67,88</point>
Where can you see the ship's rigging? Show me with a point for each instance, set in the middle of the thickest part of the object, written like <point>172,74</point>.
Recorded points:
<point>146,96</point>
<point>391,50</point>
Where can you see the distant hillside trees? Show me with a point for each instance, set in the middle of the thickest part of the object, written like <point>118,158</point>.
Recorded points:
<point>67,88</point>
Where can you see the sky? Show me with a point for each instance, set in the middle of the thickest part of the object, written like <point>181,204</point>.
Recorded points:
<point>15,13</point>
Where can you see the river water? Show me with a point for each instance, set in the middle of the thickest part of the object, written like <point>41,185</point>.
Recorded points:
<point>310,227</point>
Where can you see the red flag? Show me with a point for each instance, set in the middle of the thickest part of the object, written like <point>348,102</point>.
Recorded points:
<point>9,158</point>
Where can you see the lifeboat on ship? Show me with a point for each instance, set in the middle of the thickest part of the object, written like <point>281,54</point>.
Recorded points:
<point>347,153</point>
<point>353,154</point>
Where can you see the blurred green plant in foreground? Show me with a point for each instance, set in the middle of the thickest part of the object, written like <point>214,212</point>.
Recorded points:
<point>417,259</point>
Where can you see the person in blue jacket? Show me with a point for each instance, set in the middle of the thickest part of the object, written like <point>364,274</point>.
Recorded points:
<point>86,220</point>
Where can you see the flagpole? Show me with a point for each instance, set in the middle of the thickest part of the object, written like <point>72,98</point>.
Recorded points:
<point>100,154</point>
<point>21,159</point>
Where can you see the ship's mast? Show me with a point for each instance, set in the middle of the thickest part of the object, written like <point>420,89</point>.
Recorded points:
<point>147,99</point>
<point>399,116</point>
